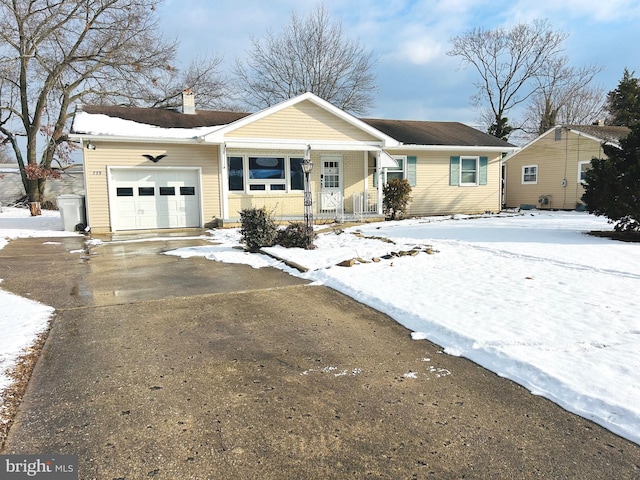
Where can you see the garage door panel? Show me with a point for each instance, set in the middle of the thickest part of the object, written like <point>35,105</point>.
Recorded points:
<point>156,199</point>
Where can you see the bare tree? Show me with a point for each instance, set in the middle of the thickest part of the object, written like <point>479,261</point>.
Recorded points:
<point>565,95</point>
<point>508,61</point>
<point>55,53</point>
<point>309,55</point>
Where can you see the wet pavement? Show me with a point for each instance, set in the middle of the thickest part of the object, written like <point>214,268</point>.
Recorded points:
<point>172,368</point>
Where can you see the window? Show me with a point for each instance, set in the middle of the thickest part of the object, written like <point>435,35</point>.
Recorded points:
<point>124,192</point>
<point>187,190</point>
<point>395,172</point>
<point>468,171</point>
<point>406,169</point>
<point>146,191</point>
<point>582,169</point>
<point>167,191</point>
<point>530,174</point>
<point>265,174</point>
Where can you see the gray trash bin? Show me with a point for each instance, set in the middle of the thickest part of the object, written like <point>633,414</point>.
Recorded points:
<point>72,212</point>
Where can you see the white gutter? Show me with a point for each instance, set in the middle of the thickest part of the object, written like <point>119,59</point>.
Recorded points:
<point>266,144</point>
<point>456,148</point>
<point>121,138</point>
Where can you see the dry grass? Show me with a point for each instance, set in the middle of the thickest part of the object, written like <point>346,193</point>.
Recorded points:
<point>11,397</point>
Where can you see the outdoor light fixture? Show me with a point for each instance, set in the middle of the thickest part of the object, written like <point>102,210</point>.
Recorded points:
<point>307,167</point>
<point>91,146</point>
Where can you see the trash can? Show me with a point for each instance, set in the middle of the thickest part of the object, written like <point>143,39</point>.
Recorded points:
<point>72,212</point>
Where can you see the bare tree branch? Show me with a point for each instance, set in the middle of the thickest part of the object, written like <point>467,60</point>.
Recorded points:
<point>310,55</point>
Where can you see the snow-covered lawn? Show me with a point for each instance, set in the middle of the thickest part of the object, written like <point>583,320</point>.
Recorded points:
<point>530,297</point>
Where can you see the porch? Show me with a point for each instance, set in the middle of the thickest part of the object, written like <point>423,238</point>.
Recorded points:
<point>327,207</point>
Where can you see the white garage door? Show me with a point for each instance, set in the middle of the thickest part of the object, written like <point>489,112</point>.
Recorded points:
<point>151,199</point>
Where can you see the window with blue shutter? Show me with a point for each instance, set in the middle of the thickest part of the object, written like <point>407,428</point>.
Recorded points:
<point>468,171</point>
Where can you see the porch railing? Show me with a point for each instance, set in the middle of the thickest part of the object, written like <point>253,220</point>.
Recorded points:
<point>326,206</point>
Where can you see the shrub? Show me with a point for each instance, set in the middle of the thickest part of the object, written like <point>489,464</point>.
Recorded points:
<point>612,185</point>
<point>258,228</point>
<point>396,197</point>
<point>296,235</point>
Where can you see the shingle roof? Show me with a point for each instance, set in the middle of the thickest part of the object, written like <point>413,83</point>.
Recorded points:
<point>413,132</point>
<point>166,118</point>
<point>409,132</point>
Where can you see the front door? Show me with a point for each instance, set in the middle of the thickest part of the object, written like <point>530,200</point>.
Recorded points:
<point>331,183</point>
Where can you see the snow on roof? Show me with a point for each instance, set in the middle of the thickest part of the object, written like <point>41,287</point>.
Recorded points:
<point>100,124</point>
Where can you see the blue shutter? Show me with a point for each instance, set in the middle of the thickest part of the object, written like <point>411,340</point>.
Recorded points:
<point>454,171</point>
<point>411,170</point>
<point>482,179</point>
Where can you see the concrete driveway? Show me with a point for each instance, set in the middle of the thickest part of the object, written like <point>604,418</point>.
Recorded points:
<point>174,368</point>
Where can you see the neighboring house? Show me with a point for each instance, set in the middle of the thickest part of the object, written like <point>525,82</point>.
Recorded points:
<point>548,172</point>
<point>71,181</point>
<point>154,169</point>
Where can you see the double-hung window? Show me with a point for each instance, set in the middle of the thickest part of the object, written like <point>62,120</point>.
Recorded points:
<point>468,171</point>
<point>265,174</point>
<point>530,174</point>
<point>398,172</point>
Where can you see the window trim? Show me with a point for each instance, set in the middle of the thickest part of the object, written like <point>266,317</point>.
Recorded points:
<point>529,182</point>
<point>477,171</point>
<point>584,162</point>
<point>402,170</point>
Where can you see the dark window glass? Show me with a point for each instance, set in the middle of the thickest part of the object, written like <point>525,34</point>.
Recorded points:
<point>257,187</point>
<point>297,175</point>
<point>266,168</point>
<point>167,190</point>
<point>236,174</point>
<point>146,191</point>
<point>187,190</point>
<point>277,187</point>
<point>124,192</point>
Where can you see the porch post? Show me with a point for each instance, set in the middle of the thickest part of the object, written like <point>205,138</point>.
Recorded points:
<point>224,182</point>
<point>379,177</point>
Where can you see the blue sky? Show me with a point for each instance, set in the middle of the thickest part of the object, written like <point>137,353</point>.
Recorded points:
<point>416,79</point>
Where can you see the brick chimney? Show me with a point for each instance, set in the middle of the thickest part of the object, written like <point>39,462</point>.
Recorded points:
<point>188,102</point>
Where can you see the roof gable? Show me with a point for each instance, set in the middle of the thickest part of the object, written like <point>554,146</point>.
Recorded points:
<point>299,103</point>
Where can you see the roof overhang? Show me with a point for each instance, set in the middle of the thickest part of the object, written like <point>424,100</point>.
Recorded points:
<point>283,144</point>
<point>123,139</point>
<point>456,148</point>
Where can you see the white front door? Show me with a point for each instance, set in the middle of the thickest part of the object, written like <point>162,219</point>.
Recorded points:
<point>331,183</point>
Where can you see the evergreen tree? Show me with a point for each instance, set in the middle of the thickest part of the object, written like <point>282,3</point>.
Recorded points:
<point>612,185</point>
<point>623,103</point>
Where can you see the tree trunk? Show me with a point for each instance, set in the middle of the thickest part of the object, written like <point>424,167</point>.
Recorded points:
<point>34,208</point>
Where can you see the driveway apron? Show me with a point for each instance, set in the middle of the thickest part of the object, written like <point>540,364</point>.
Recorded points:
<point>172,368</point>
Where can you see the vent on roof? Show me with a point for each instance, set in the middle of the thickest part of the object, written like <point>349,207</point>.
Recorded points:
<point>188,102</point>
